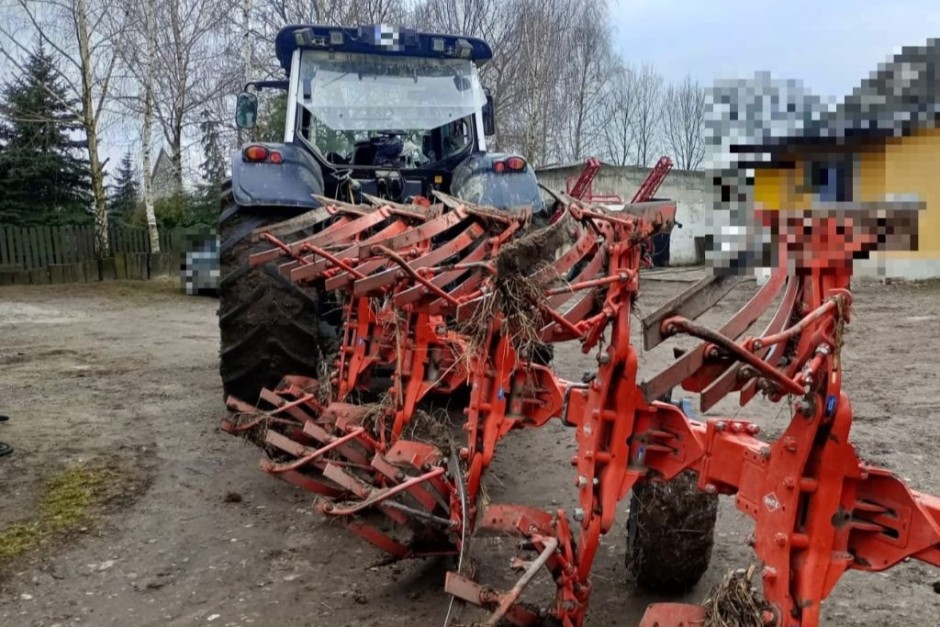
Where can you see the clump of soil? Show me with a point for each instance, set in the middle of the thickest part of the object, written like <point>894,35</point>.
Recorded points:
<point>735,602</point>
<point>534,250</point>
<point>670,534</point>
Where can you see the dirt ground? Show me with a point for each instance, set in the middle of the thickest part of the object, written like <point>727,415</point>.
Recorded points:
<point>130,370</point>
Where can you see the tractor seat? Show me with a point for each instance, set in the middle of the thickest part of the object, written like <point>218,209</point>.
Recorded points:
<point>363,153</point>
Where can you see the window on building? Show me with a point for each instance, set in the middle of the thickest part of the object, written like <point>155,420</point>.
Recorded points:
<point>831,179</point>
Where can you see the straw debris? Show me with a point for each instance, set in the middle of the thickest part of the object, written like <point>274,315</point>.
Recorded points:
<point>735,602</point>
<point>518,289</point>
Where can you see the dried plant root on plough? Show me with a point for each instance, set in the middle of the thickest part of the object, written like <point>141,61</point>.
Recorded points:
<point>736,602</point>
<point>523,273</point>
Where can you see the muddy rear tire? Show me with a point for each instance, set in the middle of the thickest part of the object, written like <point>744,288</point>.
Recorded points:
<point>269,327</point>
<point>670,534</point>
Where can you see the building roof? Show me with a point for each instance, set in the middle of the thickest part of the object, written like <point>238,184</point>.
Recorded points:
<point>901,96</point>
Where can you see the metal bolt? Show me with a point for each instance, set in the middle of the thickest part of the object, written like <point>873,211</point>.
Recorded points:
<point>581,482</point>
<point>753,429</point>
<point>769,573</point>
<point>768,618</point>
<point>789,443</point>
<point>736,427</point>
<point>603,359</point>
<point>780,539</point>
<point>720,425</point>
<point>578,514</point>
<point>765,452</point>
<point>574,460</point>
<point>805,408</point>
<point>710,488</point>
<point>789,483</point>
<point>757,344</point>
<point>596,481</point>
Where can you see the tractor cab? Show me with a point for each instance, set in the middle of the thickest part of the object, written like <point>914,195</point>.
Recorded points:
<point>378,110</point>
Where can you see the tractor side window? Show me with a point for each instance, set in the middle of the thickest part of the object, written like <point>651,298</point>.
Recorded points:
<point>456,137</point>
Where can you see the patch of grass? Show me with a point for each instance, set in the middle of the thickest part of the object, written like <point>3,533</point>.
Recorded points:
<point>68,501</point>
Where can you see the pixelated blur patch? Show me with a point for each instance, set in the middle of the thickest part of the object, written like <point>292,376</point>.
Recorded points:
<point>199,266</point>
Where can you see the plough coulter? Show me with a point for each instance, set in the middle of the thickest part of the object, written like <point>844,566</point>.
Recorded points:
<point>446,297</point>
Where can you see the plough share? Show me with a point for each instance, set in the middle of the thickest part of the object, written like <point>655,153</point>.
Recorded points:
<point>448,296</point>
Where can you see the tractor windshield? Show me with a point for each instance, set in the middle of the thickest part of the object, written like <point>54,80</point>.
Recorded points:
<point>424,104</point>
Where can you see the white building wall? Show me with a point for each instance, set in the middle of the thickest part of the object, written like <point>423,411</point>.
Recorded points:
<point>687,189</point>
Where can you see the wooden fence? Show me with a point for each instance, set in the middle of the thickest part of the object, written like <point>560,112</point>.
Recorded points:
<point>66,254</point>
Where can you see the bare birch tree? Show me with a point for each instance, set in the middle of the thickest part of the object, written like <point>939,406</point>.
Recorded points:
<point>536,118</point>
<point>648,89</point>
<point>83,34</point>
<point>192,69</point>
<point>587,75</point>
<point>488,20</point>
<point>683,118</point>
<point>150,44</point>
<point>620,112</point>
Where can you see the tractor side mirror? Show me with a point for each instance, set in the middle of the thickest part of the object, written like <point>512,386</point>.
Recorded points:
<point>489,116</point>
<point>246,110</point>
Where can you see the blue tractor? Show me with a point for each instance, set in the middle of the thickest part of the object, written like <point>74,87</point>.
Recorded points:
<point>376,110</point>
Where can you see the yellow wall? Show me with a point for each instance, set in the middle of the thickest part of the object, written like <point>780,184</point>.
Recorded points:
<point>908,165</point>
<point>776,188</point>
<point>871,172</point>
<point>911,167</point>
<point>770,188</point>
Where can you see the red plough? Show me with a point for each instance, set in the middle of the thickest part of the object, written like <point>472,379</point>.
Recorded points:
<point>438,297</point>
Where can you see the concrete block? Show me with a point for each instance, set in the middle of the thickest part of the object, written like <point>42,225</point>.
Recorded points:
<point>21,277</point>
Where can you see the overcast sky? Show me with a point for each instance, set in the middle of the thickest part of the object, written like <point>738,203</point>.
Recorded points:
<point>831,45</point>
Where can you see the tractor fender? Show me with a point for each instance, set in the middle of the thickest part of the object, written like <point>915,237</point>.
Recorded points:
<point>290,183</point>
<point>476,181</point>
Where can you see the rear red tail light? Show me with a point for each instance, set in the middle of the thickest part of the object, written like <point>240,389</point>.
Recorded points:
<point>276,157</point>
<point>515,163</point>
<point>512,164</point>
<point>256,153</point>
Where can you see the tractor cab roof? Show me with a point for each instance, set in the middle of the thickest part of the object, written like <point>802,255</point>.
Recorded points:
<point>378,39</point>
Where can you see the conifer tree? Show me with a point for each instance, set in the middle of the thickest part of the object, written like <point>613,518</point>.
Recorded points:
<point>44,181</point>
<point>125,193</point>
